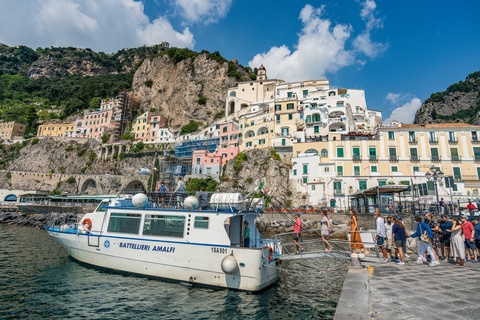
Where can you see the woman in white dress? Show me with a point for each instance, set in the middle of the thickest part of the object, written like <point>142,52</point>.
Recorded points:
<point>326,231</point>
<point>457,242</point>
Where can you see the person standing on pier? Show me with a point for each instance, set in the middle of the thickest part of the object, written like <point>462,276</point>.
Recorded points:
<point>469,234</point>
<point>398,231</point>
<point>457,243</point>
<point>476,227</point>
<point>442,206</point>
<point>380,237</point>
<point>355,238</point>
<point>445,237</point>
<point>425,241</point>
<point>297,229</point>
<point>389,233</point>
<point>430,220</point>
<point>326,231</point>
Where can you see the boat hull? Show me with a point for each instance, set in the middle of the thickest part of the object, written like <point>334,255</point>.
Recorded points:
<point>195,263</point>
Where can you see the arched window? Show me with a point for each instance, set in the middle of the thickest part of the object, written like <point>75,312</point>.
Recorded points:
<point>312,151</point>
<point>233,94</point>
<point>250,134</point>
<point>324,153</point>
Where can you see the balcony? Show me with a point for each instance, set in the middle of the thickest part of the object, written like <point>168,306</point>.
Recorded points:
<point>476,157</point>
<point>453,141</point>
<point>433,141</point>
<point>393,158</point>
<point>414,158</point>
<point>356,173</point>
<point>356,158</point>
<point>373,158</point>
<point>475,141</point>
<point>436,158</point>
<point>338,192</point>
<point>456,158</point>
<point>412,141</point>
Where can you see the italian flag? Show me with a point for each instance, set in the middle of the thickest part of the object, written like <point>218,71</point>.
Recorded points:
<point>262,188</point>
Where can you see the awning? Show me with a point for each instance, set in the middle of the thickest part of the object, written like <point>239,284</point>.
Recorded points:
<point>379,189</point>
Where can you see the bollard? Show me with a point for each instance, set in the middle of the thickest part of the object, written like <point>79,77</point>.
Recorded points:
<point>355,261</point>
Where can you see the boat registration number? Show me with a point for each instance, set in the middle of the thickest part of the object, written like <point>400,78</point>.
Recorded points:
<point>219,250</point>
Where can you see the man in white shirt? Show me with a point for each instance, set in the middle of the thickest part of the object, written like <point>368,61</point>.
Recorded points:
<point>180,188</point>
<point>381,235</point>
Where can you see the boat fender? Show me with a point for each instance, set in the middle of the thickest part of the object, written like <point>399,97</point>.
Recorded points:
<point>270,250</point>
<point>87,223</point>
<point>229,264</point>
<point>82,229</point>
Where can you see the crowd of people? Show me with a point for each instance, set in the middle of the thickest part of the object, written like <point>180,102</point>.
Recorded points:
<point>456,239</point>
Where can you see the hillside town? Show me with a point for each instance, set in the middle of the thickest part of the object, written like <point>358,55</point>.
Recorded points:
<point>334,144</point>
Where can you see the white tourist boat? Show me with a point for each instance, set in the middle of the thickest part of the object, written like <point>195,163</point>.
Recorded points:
<point>191,246</point>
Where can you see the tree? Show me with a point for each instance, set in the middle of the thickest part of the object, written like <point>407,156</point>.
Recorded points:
<point>95,102</point>
<point>31,119</point>
<point>105,138</point>
<point>210,184</point>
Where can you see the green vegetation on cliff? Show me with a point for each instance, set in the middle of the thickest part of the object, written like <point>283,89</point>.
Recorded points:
<point>462,86</point>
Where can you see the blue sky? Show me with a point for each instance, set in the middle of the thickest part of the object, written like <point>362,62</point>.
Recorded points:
<point>399,52</point>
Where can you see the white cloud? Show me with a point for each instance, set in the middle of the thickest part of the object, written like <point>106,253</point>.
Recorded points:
<point>393,97</point>
<point>107,25</point>
<point>363,42</point>
<point>397,98</point>
<point>322,47</point>
<point>206,11</point>
<point>405,113</point>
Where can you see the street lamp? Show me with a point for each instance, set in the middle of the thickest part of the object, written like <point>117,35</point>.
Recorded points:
<point>436,176</point>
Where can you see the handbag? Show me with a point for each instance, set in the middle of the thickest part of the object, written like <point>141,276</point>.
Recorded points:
<point>407,233</point>
<point>424,237</point>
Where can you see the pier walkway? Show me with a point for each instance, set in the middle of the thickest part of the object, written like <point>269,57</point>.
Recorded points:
<point>391,291</point>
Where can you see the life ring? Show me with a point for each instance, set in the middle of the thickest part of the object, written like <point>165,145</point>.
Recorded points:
<point>271,254</point>
<point>87,223</point>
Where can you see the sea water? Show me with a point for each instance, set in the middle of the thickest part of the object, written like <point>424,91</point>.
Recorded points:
<point>38,279</point>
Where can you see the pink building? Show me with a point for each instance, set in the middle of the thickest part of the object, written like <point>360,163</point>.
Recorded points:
<point>205,164</point>
<point>147,127</point>
<point>229,135</point>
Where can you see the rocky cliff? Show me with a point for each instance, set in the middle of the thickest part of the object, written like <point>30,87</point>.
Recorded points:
<point>61,62</point>
<point>175,89</point>
<point>244,173</point>
<point>459,103</point>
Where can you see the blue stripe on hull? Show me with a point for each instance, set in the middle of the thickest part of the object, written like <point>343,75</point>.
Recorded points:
<point>139,239</point>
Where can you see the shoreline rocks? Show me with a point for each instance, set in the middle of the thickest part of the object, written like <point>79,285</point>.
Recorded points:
<point>39,221</point>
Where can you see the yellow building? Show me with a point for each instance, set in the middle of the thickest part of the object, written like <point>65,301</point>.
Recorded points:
<point>11,129</point>
<point>346,163</point>
<point>287,120</point>
<point>56,130</point>
<point>257,127</point>
<point>141,126</point>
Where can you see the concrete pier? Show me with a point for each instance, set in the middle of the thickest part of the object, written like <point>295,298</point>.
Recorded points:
<point>391,291</point>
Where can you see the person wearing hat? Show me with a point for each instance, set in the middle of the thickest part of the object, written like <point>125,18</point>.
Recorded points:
<point>297,228</point>
<point>476,229</point>
<point>469,234</point>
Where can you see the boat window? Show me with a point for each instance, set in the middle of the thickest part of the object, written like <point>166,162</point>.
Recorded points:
<point>124,223</point>
<point>201,222</point>
<point>160,225</point>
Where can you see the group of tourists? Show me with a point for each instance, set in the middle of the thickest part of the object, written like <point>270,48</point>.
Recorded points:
<point>456,239</point>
